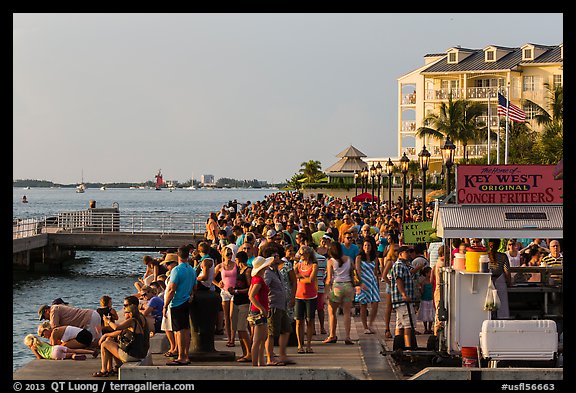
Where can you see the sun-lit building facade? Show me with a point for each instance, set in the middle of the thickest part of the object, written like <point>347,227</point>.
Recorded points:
<point>520,73</point>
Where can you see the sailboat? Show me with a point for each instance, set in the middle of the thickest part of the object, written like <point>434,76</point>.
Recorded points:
<point>159,180</point>
<point>81,187</point>
<point>191,183</point>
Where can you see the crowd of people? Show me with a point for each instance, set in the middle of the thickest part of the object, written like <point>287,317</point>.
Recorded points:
<point>277,266</point>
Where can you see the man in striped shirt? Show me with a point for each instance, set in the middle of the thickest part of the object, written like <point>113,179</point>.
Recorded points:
<point>402,292</point>
<point>554,258</point>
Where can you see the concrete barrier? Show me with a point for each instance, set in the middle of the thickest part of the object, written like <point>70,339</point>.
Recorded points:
<point>474,373</point>
<point>139,371</point>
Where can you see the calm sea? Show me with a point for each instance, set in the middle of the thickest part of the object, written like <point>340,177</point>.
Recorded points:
<point>97,273</point>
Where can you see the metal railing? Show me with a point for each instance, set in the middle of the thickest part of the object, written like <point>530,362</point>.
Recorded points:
<point>105,222</point>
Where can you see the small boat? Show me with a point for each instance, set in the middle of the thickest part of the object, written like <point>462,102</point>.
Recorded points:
<point>24,199</point>
<point>103,188</point>
<point>81,187</point>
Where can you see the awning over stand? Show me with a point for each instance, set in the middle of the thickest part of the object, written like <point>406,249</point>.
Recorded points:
<point>499,221</point>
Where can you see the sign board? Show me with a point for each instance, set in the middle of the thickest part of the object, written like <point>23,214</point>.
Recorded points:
<point>418,232</point>
<point>508,184</point>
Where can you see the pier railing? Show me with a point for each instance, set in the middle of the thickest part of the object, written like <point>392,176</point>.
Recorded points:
<point>103,222</point>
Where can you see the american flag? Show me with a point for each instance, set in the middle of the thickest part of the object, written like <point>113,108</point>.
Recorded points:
<point>516,114</point>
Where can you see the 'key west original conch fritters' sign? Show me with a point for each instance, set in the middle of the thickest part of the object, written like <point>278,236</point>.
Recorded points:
<point>508,184</point>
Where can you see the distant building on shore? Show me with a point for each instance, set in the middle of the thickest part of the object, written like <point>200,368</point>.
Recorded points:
<point>207,180</point>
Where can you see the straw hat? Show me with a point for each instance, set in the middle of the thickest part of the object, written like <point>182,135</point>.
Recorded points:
<point>260,263</point>
<point>170,258</point>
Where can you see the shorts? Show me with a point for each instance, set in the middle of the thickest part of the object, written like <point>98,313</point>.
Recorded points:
<point>124,357</point>
<point>257,319</point>
<point>320,302</point>
<point>84,337</point>
<point>59,352</point>
<point>380,254</point>
<point>180,316</point>
<point>305,309</point>
<point>278,322</point>
<point>226,296</point>
<point>342,292</point>
<point>239,322</point>
<point>402,318</point>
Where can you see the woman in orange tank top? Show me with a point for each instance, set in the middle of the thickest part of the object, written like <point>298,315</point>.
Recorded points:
<point>306,271</point>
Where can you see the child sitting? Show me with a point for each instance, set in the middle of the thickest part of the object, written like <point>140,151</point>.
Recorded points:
<point>106,309</point>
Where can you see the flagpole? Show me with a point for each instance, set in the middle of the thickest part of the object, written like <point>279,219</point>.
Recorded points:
<point>498,142</point>
<point>507,115</point>
<point>489,92</point>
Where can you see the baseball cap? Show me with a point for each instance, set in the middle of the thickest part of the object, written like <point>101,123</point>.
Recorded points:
<point>404,248</point>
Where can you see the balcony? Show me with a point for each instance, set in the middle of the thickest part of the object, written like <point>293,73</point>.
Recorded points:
<point>443,94</point>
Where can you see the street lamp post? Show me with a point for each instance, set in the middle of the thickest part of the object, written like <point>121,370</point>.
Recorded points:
<point>364,175</point>
<point>389,170</point>
<point>379,175</point>
<point>424,158</point>
<point>372,176</point>
<point>404,161</point>
<point>356,183</point>
<point>448,158</point>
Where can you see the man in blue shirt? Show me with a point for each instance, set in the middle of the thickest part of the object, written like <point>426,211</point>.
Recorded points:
<point>349,248</point>
<point>403,291</point>
<point>178,292</point>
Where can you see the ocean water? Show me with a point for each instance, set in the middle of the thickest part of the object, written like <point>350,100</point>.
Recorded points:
<point>97,273</point>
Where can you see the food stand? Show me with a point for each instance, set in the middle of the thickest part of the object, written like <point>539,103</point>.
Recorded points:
<point>505,201</point>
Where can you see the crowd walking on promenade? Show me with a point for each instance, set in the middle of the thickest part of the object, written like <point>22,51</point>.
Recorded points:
<point>276,266</point>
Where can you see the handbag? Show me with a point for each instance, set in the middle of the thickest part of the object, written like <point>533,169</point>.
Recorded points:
<point>125,340</point>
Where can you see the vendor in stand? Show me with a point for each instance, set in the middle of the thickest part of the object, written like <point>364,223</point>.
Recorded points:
<point>500,269</point>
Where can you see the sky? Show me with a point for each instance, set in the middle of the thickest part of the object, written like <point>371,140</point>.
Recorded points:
<point>115,97</point>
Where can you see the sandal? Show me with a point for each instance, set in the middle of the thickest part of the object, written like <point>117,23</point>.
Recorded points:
<point>244,360</point>
<point>301,350</point>
<point>79,356</point>
<point>276,364</point>
<point>101,374</point>
<point>388,334</point>
<point>348,342</point>
<point>169,354</point>
<point>230,344</point>
<point>330,340</point>
<point>309,350</point>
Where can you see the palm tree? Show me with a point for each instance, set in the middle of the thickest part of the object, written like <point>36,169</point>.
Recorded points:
<point>446,123</point>
<point>471,129</point>
<point>555,104</point>
<point>549,146</point>
<point>311,170</point>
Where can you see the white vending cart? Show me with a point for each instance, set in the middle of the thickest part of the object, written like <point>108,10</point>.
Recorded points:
<point>465,292</point>
<point>465,297</point>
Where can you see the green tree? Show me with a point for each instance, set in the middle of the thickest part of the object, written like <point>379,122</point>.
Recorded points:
<point>471,129</point>
<point>446,123</point>
<point>550,144</point>
<point>311,170</point>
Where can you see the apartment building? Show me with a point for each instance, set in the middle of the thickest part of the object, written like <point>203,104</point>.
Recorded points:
<point>477,75</point>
